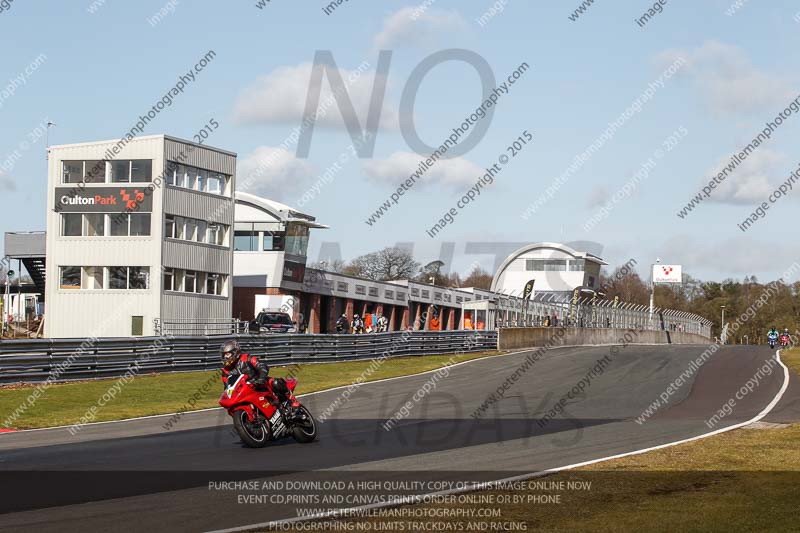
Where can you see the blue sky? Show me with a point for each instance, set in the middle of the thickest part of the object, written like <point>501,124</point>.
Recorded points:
<point>103,69</point>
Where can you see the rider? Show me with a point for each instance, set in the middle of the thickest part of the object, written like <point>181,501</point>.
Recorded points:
<point>342,324</point>
<point>785,337</point>
<point>235,363</point>
<point>772,334</point>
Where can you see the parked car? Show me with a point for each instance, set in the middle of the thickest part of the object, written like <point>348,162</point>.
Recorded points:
<point>273,322</point>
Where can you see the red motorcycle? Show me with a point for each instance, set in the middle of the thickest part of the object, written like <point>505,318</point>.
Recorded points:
<point>784,340</point>
<point>257,415</point>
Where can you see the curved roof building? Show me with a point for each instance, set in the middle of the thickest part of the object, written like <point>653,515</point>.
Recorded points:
<point>556,268</point>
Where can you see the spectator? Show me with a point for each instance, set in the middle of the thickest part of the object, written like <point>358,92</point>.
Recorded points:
<point>435,325</point>
<point>382,323</point>
<point>342,324</point>
<point>368,322</point>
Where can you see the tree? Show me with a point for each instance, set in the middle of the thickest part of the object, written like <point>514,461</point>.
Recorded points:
<point>385,265</point>
<point>478,278</point>
<point>626,284</point>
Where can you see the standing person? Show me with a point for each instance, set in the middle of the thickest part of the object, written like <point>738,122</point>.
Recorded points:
<point>357,325</point>
<point>468,321</point>
<point>368,322</point>
<point>435,325</point>
<point>374,318</point>
<point>342,324</point>
<point>383,323</point>
<point>301,322</point>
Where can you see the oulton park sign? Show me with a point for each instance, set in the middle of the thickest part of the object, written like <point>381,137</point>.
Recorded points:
<point>103,200</point>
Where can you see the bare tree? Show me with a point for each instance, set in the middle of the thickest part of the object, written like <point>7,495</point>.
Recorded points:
<point>385,265</point>
<point>478,278</point>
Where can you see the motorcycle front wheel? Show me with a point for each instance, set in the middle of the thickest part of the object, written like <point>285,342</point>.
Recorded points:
<point>254,435</point>
<point>305,428</point>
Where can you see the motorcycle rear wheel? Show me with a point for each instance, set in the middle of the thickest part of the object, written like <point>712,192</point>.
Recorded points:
<point>253,435</point>
<point>305,430</point>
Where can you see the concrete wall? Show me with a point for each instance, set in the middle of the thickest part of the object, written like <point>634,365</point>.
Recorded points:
<point>515,338</point>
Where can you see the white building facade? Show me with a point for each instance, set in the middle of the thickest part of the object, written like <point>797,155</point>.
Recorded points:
<point>555,268</point>
<point>139,234</point>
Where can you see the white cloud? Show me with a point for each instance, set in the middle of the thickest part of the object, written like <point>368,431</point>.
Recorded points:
<point>409,26</point>
<point>749,183</point>
<point>274,173</point>
<point>728,81</point>
<point>280,97</point>
<point>454,173</point>
<point>6,183</point>
<point>598,196</point>
<point>727,257</point>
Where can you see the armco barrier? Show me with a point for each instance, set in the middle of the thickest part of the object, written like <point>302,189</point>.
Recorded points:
<point>516,338</point>
<point>56,360</point>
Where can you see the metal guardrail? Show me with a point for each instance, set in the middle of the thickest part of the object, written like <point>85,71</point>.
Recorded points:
<point>56,360</point>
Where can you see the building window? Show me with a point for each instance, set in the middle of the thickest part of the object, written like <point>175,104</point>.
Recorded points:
<point>216,235</point>
<point>273,241</point>
<point>297,239</point>
<point>373,291</point>
<point>138,278</point>
<point>140,224</point>
<point>70,277</point>
<point>389,294</point>
<point>169,279</point>
<point>213,285</point>
<point>341,286</point>
<point>414,292</point>
<point>401,296</point>
<point>180,176</point>
<point>426,293</point>
<point>361,289</point>
<point>71,224</point>
<point>437,296</point>
<point>93,278</point>
<point>142,170</point>
<point>546,265</point>
<point>169,227</point>
<point>120,171</point>
<point>169,173</point>
<point>91,171</point>
<point>190,281</point>
<point>245,241</point>
<point>94,224</point>
<point>118,278</point>
<point>133,225</point>
<point>202,230</point>
<point>72,171</point>
<point>202,180</point>
<point>577,265</point>
<point>591,281</point>
<point>191,229</point>
<point>196,178</point>
<point>216,183</point>
<point>94,171</point>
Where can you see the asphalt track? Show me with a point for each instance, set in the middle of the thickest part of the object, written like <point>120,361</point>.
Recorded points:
<point>136,475</point>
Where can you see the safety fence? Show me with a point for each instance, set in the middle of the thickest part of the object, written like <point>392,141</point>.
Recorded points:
<point>597,313</point>
<point>55,360</point>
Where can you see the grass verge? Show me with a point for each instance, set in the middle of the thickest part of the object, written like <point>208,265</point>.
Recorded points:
<point>154,394</point>
<point>742,480</point>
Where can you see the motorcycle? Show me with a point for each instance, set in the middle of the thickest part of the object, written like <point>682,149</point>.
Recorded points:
<point>772,340</point>
<point>784,341</point>
<point>258,417</point>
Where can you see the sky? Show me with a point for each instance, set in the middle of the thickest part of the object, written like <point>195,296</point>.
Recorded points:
<point>686,90</point>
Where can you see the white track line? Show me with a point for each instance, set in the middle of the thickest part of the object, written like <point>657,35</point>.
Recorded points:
<point>182,413</point>
<point>421,498</point>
